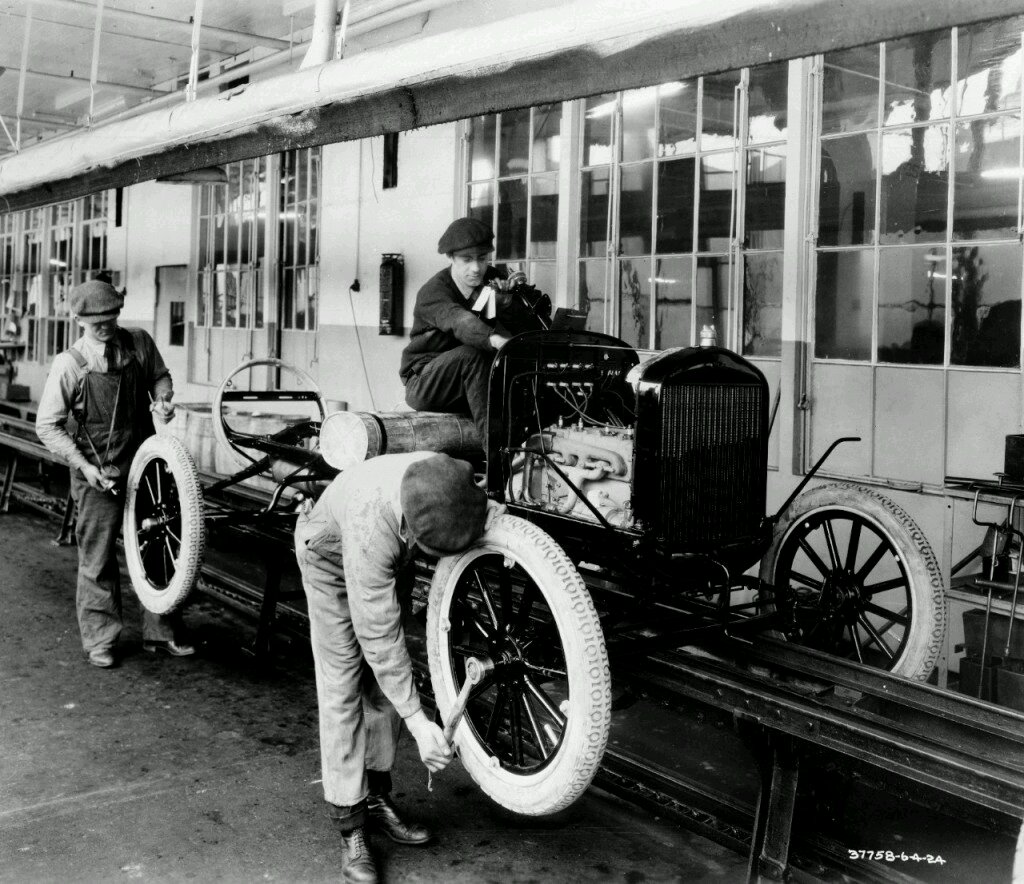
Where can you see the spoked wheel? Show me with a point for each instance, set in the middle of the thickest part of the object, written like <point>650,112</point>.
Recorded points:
<point>863,579</point>
<point>536,726</point>
<point>163,529</point>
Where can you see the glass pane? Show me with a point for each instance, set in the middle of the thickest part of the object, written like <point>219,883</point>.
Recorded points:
<point>205,199</point>
<point>762,304</point>
<point>850,90</point>
<point>482,135</point>
<point>638,123</point>
<point>301,275</point>
<point>593,286</point>
<point>987,175</point>
<point>288,237</point>
<point>635,301</point>
<point>675,205</point>
<point>481,202</point>
<point>231,299</point>
<point>543,276</point>
<point>917,76</point>
<point>911,305</point>
<point>244,299</point>
<point>713,295</point>
<point>673,292</point>
<point>514,151</point>
<point>986,305</point>
<point>846,191</point>
<point>714,212</point>
<point>204,242</point>
<point>288,299</point>
<point>231,253</point>
<point>218,299</point>
<point>677,118</point>
<point>547,137</point>
<point>768,99</point>
<point>313,286</point>
<point>989,66</point>
<point>597,130</point>
<point>259,296</point>
<point>301,238</point>
<point>544,217</point>
<point>915,184</point>
<point>766,197</point>
<point>842,314</point>
<point>635,204</point>
<point>510,237</point>
<point>717,117</point>
<point>594,187</point>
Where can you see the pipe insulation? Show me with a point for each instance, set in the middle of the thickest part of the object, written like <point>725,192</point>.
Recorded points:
<point>582,47</point>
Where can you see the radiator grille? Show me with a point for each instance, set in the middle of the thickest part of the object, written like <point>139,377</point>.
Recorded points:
<point>711,481</point>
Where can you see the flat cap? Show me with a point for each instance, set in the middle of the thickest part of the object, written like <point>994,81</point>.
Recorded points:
<point>95,301</point>
<point>443,507</point>
<point>465,233</point>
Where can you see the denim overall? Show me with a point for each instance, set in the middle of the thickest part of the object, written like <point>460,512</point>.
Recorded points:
<point>113,422</point>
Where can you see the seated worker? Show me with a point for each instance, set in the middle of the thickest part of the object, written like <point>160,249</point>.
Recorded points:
<point>447,362</point>
<point>352,548</point>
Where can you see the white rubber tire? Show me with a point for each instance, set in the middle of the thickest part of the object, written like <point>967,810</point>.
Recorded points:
<point>927,625</point>
<point>189,498</point>
<point>1018,858</point>
<point>569,772</point>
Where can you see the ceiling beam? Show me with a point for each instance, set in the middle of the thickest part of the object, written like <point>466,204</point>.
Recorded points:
<point>42,120</point>
<point>156,21</point>
<point>68,78</point>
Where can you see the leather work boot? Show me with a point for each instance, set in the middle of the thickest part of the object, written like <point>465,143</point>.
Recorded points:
<point>359,867</point>
<point>384,817</point>
<point>175,649</point>
<point>101,657</point>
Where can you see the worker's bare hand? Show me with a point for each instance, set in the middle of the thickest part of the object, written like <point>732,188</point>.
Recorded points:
<point>493,511</point>
<point>163,410</point>
<point>435,752</point>
<point>94,476</point>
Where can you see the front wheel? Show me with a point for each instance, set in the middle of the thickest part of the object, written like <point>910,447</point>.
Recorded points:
<point>536,727</point>
<point>163,528</point>
<point>862,578</point>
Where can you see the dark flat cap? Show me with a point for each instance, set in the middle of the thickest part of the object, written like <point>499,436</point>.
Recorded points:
<point>95,301</point>
<point>444,509</point>
<point>465,233</point>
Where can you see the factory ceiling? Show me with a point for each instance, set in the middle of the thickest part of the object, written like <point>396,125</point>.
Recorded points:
<point>95,93</point>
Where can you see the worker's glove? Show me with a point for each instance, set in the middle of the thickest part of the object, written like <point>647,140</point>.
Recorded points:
<point>494,509</point>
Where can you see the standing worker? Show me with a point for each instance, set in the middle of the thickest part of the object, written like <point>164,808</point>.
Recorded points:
<point>105,382</point>
<point>351,547</point>
<point>447,362</point>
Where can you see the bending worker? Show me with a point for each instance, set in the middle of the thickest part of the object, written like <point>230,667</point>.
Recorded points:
<point>350,548</point>
<point>447,362</point>
<point>106,381</point>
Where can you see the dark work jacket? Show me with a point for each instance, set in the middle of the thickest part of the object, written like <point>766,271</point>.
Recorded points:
<point>442,320</point>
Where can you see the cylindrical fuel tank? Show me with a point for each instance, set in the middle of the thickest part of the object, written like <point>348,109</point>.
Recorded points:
<point>348,437</point>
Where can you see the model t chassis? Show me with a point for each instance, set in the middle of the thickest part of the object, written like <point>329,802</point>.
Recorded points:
<point>535,729</point>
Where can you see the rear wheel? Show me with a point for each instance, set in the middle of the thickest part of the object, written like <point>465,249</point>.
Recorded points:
<point>863,579</point>
<point>535,728</point>
<point>163,529</point>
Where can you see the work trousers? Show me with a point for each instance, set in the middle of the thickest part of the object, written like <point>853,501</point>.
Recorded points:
<point>359,728</point>
<point>98,596</point>
<point>454,381</point>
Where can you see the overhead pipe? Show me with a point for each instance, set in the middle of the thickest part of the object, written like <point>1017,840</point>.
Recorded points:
<point>324,19</point>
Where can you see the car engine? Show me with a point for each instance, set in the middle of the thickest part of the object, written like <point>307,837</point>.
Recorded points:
<point>597,461</point>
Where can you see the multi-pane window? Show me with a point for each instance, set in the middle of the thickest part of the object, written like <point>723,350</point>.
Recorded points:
<point>44,252</point>
<point>232,246</point>
<point>682,198</point>
<point>299,242</point>
<point>918,257</point>
<point>512,174</point>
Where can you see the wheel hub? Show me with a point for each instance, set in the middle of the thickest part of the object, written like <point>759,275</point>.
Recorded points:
<point>843,597</point>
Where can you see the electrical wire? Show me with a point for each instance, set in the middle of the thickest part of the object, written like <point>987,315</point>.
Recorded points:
<point>362,355</point>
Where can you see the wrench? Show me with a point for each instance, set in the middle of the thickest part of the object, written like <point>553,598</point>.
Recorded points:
<point>476,671</point>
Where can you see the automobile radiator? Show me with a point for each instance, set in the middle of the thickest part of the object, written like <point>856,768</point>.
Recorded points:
<point>711,481</point>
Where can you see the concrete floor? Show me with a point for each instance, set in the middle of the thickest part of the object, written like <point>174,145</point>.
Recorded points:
<point>206,768</point>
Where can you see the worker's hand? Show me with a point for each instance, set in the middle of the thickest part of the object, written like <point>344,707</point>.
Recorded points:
<point>163,410</point>
<point>494,510</point>
<point>435,752</point>
<point>498,341</point>
<point>94,476</point>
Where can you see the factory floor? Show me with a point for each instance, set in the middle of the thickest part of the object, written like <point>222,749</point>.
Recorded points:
<point>207,768</point>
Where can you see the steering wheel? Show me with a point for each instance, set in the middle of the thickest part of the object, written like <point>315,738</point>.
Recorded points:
<point>232,439</point>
